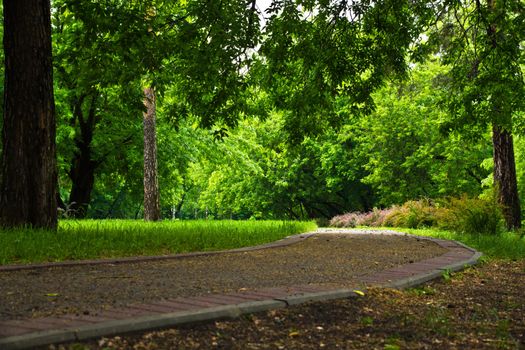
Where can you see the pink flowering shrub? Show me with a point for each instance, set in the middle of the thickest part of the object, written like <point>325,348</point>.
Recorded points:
<point>373,218</point>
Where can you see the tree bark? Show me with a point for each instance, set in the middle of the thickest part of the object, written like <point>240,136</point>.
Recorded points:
<point>29,174</point>
<point>151,184</point>
<point>505,177</point>
<point>82,170</point>
<point>504,163</point>
<point>82,174</point>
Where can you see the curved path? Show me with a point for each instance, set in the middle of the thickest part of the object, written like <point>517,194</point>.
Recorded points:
<point>144,293</point>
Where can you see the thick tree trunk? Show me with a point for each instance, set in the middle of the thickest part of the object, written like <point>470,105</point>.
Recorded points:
<point>29,175</point>
<point>505,177</point>
<point>151,185</point>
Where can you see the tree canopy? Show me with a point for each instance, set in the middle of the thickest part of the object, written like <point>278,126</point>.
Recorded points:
<point>308,109</point>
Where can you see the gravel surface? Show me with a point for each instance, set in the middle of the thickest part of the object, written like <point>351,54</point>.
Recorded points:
<point>337,260</point>
<point>480,308</point>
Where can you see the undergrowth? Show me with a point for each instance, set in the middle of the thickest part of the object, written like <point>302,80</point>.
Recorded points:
<point>463,215</point>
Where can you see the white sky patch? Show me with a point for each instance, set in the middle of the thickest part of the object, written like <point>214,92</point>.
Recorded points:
<point>262,5</point>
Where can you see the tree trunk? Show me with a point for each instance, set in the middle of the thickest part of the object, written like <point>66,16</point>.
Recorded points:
<point>505,177</point>
<point>151,185</point>
<point>82,170</point>
<point>29,174</point>
<point>82,174</point>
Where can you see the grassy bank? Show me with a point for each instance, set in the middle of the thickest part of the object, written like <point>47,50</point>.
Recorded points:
<point>89,239</point>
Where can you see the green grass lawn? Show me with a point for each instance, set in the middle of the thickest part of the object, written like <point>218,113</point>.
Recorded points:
<point>89,239</point>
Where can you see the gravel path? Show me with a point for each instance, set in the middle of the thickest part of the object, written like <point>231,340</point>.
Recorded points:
<point>480,308</point>
<point>336,260</point>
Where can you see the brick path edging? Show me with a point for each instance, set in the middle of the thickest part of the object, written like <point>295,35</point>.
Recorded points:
<point>26,334</point>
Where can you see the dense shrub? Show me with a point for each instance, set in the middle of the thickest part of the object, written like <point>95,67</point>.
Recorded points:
<point>373,218</point>
<point>345,220</point>
<point>471,215</point>
<point>412,214</point>
<point>463,214</point>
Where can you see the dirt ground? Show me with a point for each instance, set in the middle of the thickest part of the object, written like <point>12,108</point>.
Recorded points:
<point>335,260</point>
<point>481,308</point>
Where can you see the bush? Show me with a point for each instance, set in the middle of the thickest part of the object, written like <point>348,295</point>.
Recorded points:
<point>375,218</point>
<point>322,222</point>
<point>463,214</point>
<point>413,214</point>
<point>345,220</point>
<point>471,215</point>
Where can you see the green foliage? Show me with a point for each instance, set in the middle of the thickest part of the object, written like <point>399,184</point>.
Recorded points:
<point>91,239</point>
<point>481,41</point>
<point>412,214</point>
<point>366,321</point>
<point>321,127</point>
<point>462,215</point>
<point>403,150</point>
<point>447,275</point>
<point>193,53</point>
<point>423,290</point>
<point>315,51</point>
<point>396,154</point>
<point>470,215</point>
<point>255,172</point>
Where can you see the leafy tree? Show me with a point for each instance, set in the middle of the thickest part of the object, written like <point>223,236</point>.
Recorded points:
<point>403,148</point>
<point>198,45</point>
<point>256,173</point>
<point>315,51</point>
<point>28,177</point>
<point>482,42</point>
<point>93,103</point>
<point>312,53</point>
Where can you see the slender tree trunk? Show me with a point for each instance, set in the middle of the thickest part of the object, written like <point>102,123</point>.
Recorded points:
<point>29,174</point>
<point>505,177</point>
<point>151,184</point>
<point>178,207</point>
